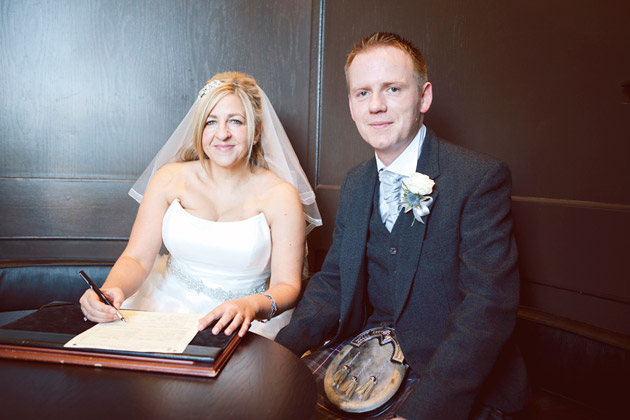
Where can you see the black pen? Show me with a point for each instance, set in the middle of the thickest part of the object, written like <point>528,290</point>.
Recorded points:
<point>100,294</point>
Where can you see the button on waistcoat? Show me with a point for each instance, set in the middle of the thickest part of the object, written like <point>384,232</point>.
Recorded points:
<point>382,259</point>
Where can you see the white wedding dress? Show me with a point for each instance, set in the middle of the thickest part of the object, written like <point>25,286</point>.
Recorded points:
<point>209,263</point>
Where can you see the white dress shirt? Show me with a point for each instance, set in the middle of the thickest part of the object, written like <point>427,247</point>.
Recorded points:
<point>405,164</point>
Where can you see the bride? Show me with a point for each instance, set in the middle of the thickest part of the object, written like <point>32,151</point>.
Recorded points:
<point>228,199</point>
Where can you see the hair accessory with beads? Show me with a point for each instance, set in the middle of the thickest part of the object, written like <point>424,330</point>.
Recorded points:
<point>208,87</point>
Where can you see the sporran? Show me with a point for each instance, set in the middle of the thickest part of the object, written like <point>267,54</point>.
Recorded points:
<point>366,373</point>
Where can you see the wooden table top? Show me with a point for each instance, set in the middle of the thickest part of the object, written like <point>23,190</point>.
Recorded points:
<point>262,380</point>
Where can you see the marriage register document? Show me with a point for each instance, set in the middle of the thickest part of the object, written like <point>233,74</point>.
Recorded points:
<point>155,332</point>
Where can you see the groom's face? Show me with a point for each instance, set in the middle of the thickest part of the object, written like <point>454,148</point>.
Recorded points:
<point>385,102</point>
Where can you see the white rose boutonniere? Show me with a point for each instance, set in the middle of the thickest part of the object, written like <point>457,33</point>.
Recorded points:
<point>415,197</point>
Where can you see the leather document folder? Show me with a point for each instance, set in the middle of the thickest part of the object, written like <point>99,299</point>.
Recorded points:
<point>41,336</point>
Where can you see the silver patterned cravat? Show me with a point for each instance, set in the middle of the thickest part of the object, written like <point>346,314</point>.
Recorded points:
<point>391,195</point>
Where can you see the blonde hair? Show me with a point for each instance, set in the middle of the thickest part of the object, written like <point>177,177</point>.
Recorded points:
<point>218,87</point>
<point>388,39</point>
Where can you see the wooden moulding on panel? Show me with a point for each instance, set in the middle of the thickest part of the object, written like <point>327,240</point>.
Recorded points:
<point>572,259</point>
<point>64,219</point>
<point>59,208</point>
<point>48,250</point>
<point>602,335</point>
<point>574,248</point>
<point>16,263</point>
<point>574,203</point>
<point>601,313</point>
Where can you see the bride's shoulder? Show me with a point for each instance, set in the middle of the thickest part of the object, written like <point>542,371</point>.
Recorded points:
<point>171,177</point>
<point>272,185</point>
<point>279,201</point>
<point>176,170</point>
<point>276,195</point>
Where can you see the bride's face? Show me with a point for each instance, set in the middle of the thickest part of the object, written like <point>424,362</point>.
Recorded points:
<point>224,137</point>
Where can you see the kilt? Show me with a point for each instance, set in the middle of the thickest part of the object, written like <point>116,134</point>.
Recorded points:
<point>318,360</point>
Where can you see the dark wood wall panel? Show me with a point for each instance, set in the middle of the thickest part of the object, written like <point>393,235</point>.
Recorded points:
<point>15,251</point>
<point>610,315</point>
<point>537,84</point>
<point>564,246</point>
<point>48,219</point>
<point>573,261</point>
<point>66,207</point>
<point>92,89</point>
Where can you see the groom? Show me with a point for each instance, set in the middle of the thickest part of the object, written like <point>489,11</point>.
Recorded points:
<point>445,278</point>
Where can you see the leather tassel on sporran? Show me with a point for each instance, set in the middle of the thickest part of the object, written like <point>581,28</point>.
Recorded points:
<point>366,373</point>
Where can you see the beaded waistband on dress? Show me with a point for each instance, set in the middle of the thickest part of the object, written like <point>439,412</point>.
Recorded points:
<point>196,285</point>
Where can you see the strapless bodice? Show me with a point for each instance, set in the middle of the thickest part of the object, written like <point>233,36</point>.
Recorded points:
<point>221,254</point>
<point>209,263</point>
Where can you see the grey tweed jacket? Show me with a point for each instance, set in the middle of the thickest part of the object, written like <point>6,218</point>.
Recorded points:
<point>456,287</point>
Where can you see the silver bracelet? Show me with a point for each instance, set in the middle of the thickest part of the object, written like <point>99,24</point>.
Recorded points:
<point>274,308</point>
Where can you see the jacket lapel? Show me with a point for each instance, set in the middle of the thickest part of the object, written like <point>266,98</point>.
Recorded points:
<point>355,236</point>
<point>412,237</point>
